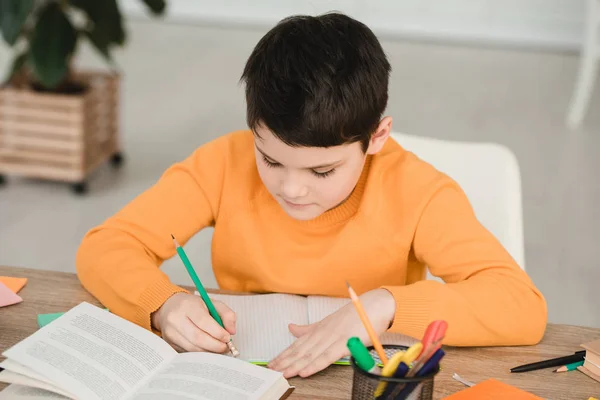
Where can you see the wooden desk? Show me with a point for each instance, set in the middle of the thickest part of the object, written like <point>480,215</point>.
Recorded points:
<point>49,292</point>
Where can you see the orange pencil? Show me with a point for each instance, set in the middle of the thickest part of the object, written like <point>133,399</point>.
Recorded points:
<point>367,324</point>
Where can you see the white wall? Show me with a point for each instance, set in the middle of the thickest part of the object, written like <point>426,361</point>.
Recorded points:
<point>538,23</point>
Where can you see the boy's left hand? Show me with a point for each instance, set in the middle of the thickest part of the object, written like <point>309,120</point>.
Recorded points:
<point>322,343</point>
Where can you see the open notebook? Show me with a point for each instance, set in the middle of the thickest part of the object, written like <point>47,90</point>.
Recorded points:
<point>262,322</point>
<point>91,354</point>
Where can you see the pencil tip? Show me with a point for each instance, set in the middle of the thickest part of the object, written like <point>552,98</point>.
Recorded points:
<point>347,284</point>
<point>172,236</point>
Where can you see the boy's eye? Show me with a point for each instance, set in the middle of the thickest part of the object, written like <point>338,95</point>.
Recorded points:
<point>323,174</point>
<point>270,163</point>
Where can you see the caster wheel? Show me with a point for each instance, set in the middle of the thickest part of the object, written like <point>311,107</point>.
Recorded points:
<point>117,159</point>
<point>2,180</point>
<point>79,188</point>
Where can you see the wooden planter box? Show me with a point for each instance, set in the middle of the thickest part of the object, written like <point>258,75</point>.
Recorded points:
<point>60,137</point>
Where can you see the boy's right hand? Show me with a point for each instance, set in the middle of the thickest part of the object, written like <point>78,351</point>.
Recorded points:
<point>186,324</point>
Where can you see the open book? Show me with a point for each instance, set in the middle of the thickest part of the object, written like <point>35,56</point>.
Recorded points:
<point>89,353</point>
<point>262,322</point>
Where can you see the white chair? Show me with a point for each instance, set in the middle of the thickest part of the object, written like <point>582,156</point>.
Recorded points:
<point>489,175</point>
<point>588,66</point>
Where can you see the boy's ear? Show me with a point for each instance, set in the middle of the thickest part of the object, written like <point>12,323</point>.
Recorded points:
<point>380,135</point>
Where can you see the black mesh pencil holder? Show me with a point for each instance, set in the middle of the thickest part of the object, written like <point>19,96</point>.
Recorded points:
<point>366,385</point>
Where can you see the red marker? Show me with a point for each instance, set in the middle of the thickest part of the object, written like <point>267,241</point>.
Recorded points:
<point>432,341</point>
<point>433,336</point>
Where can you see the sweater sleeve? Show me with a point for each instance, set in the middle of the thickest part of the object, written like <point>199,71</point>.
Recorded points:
<point>487,299</point>
<point>118,261</point>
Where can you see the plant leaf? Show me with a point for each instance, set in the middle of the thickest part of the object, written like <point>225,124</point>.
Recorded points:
<point>105,18</point>
<point>100,42</point>
<point>13,14</point>
<point>156,6</point>
<point>17,63</point>
<point>52,46</point>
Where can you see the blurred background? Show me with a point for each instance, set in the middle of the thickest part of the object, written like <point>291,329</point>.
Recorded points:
<point>500,71</point>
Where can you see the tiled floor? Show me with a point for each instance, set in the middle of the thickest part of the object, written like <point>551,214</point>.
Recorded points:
<point>181,89</point>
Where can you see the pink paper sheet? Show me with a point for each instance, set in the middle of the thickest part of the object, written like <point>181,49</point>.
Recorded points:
<point>7,296</point>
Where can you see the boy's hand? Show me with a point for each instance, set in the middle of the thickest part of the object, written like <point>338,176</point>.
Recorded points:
<point>187,325</point>
<point>322,343</point>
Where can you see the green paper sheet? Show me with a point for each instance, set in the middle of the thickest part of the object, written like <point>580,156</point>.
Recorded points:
<point>45,319</point>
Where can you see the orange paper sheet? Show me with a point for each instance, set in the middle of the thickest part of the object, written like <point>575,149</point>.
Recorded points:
<point>14,284</point>
<point>492,389</point>
<point>8,297</point>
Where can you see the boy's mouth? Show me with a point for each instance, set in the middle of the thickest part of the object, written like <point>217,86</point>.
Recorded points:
<point>295,205</point>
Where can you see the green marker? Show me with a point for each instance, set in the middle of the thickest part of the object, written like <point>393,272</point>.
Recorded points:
<point>361,355</point>
<point>209,304</point>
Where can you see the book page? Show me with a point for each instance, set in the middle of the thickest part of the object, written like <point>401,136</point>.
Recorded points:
<point>18,379</point>
<point>13,366</point>
<point>21,392</point>
<point>201,376</point>
<point>92,353</point>
<point>320,307</point>
<point>262,323</point>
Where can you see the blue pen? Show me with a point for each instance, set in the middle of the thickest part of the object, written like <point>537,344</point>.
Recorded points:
<point>402,391</point>
<point>429,366</point>
<point>399,373</point>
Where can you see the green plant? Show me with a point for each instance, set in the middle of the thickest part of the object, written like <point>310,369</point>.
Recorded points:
<point>44,35</point>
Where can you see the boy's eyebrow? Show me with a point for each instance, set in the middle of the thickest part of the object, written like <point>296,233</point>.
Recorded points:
<point>314,167</point>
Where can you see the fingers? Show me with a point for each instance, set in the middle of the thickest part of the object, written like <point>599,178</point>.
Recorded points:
<point>200,338</point>
<point>288,355</point>
<point>299,330</point>
<point>227,315</point>
<point>180,343</point>
<point>186,323</point>
<point>303,351</point>
<point>177,348</point>
<point>205,322</point>
<point>326,358</point>
<point>285,357</point>
<point>315,349</point>
<point>189,337</point>
<point>306,355</point>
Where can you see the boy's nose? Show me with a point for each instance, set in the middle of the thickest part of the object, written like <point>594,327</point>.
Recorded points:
<point>292,189</point>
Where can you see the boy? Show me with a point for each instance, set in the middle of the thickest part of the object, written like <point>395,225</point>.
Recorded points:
<point>315,194</point>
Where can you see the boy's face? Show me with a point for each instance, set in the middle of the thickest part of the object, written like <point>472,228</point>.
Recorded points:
<point>308,181</point>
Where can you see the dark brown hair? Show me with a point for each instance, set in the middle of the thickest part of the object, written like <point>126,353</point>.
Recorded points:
<point>317,81</point>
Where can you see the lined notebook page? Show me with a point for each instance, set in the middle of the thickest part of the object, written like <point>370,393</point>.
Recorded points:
<point>320,307</point>
<point>262,323</point>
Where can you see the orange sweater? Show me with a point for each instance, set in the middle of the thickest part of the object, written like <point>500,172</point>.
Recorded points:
<point>402,215</point>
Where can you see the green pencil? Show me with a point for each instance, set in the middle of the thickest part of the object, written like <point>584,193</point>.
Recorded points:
<point>209,304</point>
<point>570,367</point>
